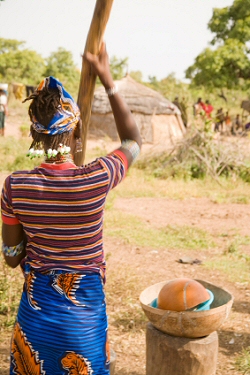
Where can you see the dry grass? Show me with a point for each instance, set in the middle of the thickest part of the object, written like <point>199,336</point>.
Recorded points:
<point>243,361</point>
<point>236,191</point>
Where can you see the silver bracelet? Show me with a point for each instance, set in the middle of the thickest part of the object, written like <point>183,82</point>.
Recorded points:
<point>132,147</point>
<point>112,91</point>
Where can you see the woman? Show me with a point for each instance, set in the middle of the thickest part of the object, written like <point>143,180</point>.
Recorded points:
<point>52,226</point>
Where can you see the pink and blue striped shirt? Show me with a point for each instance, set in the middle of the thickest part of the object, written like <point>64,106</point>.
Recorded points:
<point>60,207</point>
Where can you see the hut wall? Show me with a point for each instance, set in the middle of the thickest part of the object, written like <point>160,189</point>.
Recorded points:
<point>167,129</point>
<point>102,125</point>
<point>144,123</point>
<point>154,129</point>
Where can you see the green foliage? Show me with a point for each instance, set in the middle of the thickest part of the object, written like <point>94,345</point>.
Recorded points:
<point>243,361</point>
<point>10,45</point>
<point>228,65</point>
<point>118,67</point>
<point>19,65</point>
<point>170,87</point>
<point>232,22</point>
<point>136,75</point>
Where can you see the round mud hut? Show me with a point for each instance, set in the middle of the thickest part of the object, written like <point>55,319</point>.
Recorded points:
<point>158,120</point>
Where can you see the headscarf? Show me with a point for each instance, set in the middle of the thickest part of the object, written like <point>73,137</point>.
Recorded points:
<point>67,116</point>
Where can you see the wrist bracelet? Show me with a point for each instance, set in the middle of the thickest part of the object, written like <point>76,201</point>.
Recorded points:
<point>112,91</point>
<point>13,251</point>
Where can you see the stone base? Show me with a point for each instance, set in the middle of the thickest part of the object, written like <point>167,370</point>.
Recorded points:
<point>170,355</point>
<point>112,362</point>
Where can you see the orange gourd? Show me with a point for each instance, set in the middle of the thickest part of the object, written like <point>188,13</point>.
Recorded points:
<point>182,294</point>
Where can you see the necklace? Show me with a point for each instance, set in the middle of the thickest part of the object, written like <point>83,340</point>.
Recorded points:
<point>67,158</point>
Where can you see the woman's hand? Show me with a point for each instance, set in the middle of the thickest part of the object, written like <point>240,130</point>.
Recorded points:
<point>100,65</point>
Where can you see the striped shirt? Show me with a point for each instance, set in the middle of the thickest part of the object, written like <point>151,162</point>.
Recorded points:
<point>60,207</point>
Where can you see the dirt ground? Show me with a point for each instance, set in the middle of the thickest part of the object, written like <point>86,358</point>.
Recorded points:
<point>235,332</point>
<point>149,266</point>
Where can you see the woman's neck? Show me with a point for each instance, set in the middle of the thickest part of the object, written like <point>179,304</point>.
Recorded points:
<point>59,159</point>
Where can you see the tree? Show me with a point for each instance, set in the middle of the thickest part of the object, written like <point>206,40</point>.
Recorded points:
<point>170,86</point>
<point>18,64</point>
<point>232,22</point>
<point>10,45</point>
<point>136,75</point>
<point>227,64</point>
<point>118,67</point>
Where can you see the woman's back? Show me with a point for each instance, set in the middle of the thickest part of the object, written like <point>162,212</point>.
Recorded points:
<point>61,209</point>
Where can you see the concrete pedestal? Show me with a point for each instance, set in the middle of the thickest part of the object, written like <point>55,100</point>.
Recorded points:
<point>170,355</point>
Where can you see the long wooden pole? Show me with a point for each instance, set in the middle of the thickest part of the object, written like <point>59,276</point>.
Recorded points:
<point>88,78</point>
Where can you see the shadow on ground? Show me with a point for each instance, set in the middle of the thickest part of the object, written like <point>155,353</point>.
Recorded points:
<point>241,307</point>
<point>231,343</point>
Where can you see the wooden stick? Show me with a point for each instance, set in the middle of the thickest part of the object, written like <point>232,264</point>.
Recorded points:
<point>88,78</point>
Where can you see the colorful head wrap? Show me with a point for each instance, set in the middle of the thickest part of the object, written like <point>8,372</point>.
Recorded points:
<point>67,116</point>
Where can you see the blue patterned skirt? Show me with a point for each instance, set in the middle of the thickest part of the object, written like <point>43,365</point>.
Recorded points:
<point>61,326</point>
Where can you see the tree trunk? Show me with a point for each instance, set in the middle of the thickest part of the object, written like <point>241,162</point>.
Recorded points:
<point>171,355</point>
<point>88,78</point>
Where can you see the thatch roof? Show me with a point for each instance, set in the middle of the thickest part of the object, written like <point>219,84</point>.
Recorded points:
<point>140,99</point>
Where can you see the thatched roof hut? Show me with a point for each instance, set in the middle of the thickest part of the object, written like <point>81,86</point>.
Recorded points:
<point>158,119</point>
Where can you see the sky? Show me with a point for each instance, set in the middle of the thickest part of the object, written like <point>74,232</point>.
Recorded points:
<point>158,36</point>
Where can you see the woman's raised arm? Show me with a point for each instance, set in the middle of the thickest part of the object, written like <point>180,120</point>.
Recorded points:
<point>125,123</point>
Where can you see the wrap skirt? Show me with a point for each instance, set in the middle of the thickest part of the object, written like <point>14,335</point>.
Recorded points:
<point>61,326</point>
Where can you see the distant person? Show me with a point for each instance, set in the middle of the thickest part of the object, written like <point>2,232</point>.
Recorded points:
<point>208,108</point>
<point>228,123</point>
<point>177,103</point>
<point>247,127</point>
<point>219,120</point>
<point>198,108</point>
<point>184,114</point>
<point>182,107</point>
<point>3,110</point>
<point>237,124</point>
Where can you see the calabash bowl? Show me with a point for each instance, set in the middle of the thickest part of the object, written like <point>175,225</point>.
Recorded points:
<point>191,324</point>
